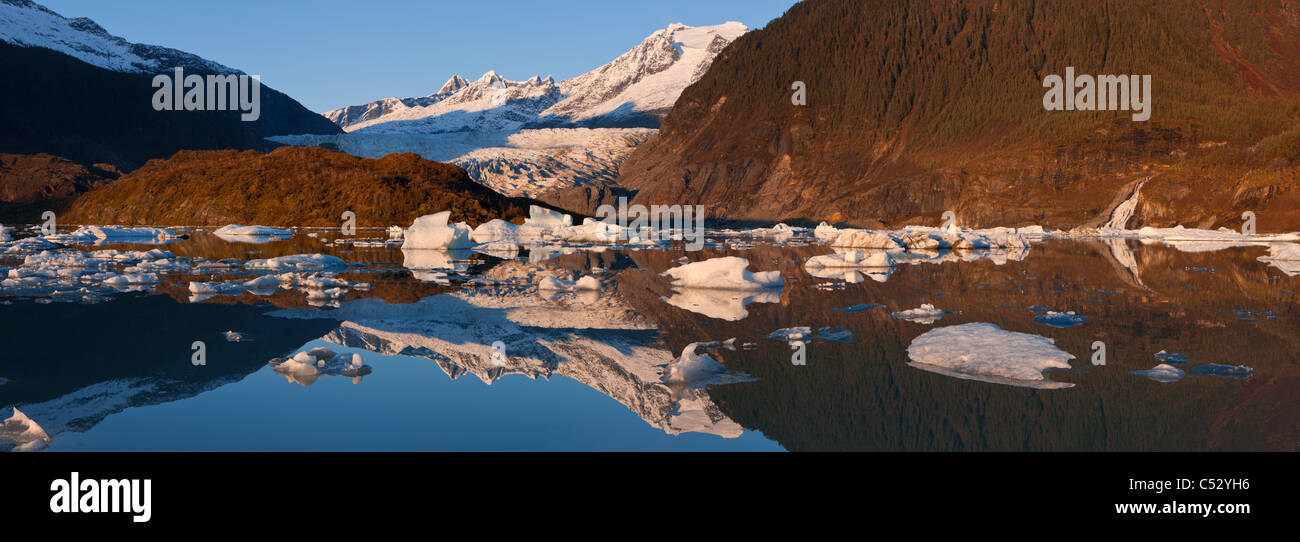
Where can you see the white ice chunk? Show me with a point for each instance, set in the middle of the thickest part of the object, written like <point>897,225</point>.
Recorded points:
<point>925,314</point>
<point>985,352</point>
<point>587,283</point>
<point>866,239</point>
<point>851,259</point>
<point>693,368</point>
<point>1162,373</point>
<point>727,273</point>
<point>433,232</point>
<point>547,219</point>
<point>298,262</point>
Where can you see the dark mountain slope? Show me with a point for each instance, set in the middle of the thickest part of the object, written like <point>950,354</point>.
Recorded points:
<point>35,183</point>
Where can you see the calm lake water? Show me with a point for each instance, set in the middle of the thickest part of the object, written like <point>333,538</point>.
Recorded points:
<point>461,351</point>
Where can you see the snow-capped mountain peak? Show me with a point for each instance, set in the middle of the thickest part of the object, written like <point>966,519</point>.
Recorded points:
<point>635,89</point>
<point>491,78</point>
<point>452,85</point>
<point>29,24</point>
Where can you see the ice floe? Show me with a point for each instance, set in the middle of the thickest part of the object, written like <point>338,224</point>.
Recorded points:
<point>851,259</point>
<point>1166,357</point>
<point>298,262</point>
<point>104,234</point>
<point>925,314</point>
<point>236,336</point>
<point>696,370</point>
<point>806,333</point>
<point>1161,373</point>
<point>1060,319</point>
<point>433,232</point>
<point>866,239</point>
<point>237,233</point>
<point>305,367</point>
<point>726,273</point>
<point>544,218</point>
<point>986,352</point>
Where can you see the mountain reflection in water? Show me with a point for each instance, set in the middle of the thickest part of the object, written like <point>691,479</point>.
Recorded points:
<point>585,370</point>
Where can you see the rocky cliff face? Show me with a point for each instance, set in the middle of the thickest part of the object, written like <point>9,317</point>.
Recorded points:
<point>913,112</point>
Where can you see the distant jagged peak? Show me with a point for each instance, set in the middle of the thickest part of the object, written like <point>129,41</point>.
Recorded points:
<point>634,89</point>
<point>492,78</point>
<point>452,85</point>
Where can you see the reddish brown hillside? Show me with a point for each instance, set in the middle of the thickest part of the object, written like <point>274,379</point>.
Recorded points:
<point>291,186</point>
<point>915,108</point>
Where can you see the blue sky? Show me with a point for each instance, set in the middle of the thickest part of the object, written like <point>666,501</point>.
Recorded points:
<point>330,53</point>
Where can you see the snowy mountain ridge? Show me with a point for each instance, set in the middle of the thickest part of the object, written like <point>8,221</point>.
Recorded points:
<point>29,24</point>
<point>633,90</point>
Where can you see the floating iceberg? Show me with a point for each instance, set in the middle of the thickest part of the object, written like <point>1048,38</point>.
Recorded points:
<point>851,259</point>
<point>305,367</point>
<point>541,217</point>
<point>826,232</point>
<point>433,232</point>
<point>237,233</point>
<point>695,370</point>
<point>496,231</point>
<point>110,234</point>
<point>236,336</point>
<point>591,231</point>
<point>985,352</point>
<point>924,241</point>
<point>1060,319</point>
<point>128,279</point>
<point>925,314</point>
<point>866,239</point>
<point>805,333</point>
<point>586,283</point>
<point>263,285</point>
<point>1198,240</point>
<point>298,262</point>
<point>1161,373</point>
<point>1166,357</point>
<point>727,273</point>
<point>215,288</point>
